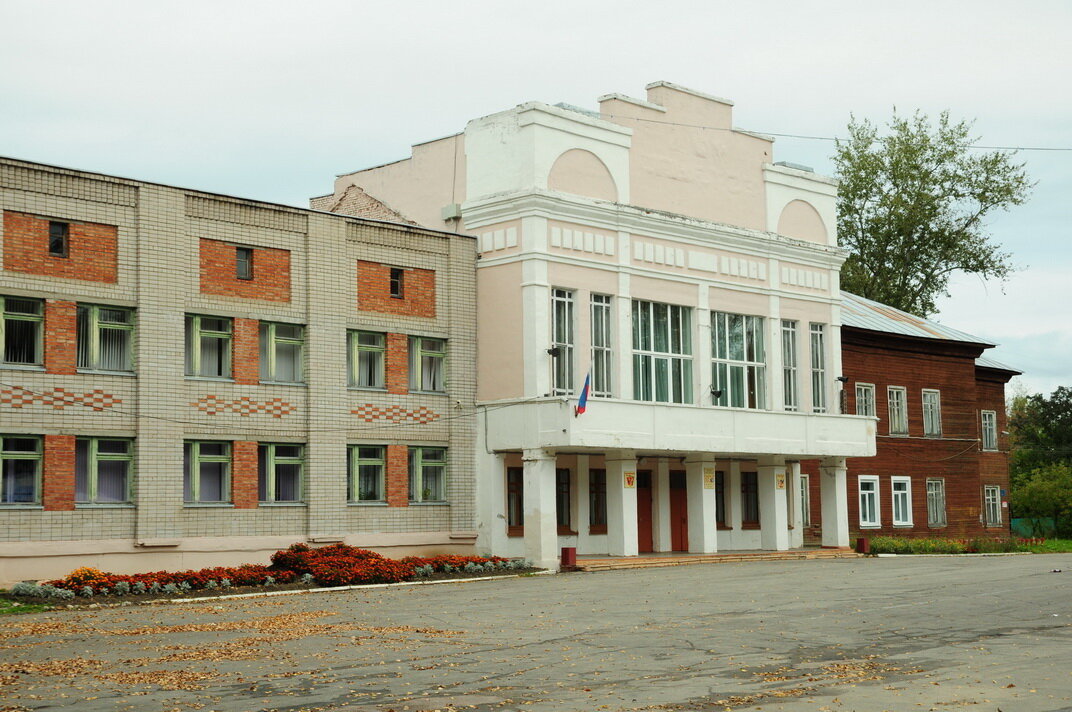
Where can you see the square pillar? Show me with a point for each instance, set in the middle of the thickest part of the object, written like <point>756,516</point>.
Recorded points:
<point>834,491</point>
<point>796,535</point>
<point>661,516</point>
<point>773,517</point>
<point>622,503</point>
<point>541,525</point>
<point>700,486</point>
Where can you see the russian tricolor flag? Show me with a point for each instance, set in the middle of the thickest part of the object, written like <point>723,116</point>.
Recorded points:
<point>582,402</point>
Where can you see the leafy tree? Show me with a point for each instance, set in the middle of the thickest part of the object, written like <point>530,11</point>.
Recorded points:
<point>1046,492</point>
<point>911,208</point>
<point>1041,430</point>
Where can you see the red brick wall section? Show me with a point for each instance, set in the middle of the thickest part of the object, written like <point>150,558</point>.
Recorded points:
<point>57,473</point>
<point>396,363</point>
<point>271,272</point>
<point>244,475</point>
<point>92,255</point>
<point>61,336</point>
<point>397,476</point>
<point>374,290</point>
<point>245,352</point>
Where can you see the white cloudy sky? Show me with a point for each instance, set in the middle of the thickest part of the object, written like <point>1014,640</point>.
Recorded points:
<point>271,99</point>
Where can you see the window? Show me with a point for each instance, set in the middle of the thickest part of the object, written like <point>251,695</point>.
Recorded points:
<point>868,485</point>
<point>244,262</point>
<point>281,352</point>
<point>20,469</point>
<point>208,346</point>
<point>562,341</point>
<point>936,503</point>
<point>206,471</point>
<point>102,468</point>
<point>990,430</point>
<point>805,500</point>
<point>738,371</point>
<point>562,500</point>
<point>992,505</point>
<point>279,472</point>
<point>720,500</point>
<point>398,282</point>
<point>59,234</point>
<point>427,364</point>
<point>366,359</point>
<point>601,346</point>
<point>818,368</point>
<point>597,501</point>
<point>932,413</point>
<point>515,501</point>
<point>790,389</point>
<point>427,474</point>
<point>902,501</point>
<point>898,410</point>
<point>21,330</point>
<point>662,353</point>
<point>105,338</point>
<point>865,399</point>
<point>749,500</point>
<point>365,477</point>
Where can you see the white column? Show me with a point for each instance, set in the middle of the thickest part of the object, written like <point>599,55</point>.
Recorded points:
<point>536,309</point>
<point>541,526</point>
<point>621,503</point>
<point>834,491</point>
<point>773,520</point>
<point>733,497</point>
<point>661,516</point>
<point>796,536</point>
<point>700,484</point>
<point>702,347</point>
<point>622,334</point>
<point>775,382</point>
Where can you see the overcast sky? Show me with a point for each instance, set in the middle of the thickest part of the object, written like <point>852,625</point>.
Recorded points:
<point>270,100</point>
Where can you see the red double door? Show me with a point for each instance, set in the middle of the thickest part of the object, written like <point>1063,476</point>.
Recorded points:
<point>679,512</point>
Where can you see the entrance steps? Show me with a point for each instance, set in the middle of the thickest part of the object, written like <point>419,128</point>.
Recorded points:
<point>646,561</point>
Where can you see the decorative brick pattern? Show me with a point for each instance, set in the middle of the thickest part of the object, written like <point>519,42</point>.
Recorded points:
<point>397,476</point>
<point>369,412</point>
<point>92,253</point>
<point>61,337</point>
<point>374,290</point>
<point>57,398</point>
<point>57,473</point>
<point>396,364</point>
<point>245,352</point>
<point>214,405</point>
<point>271,272</point>
<point>244,475</point>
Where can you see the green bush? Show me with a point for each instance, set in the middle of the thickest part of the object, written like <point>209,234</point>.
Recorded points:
<point>905,545</point>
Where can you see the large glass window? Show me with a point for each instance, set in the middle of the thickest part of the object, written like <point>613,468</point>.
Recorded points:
<point>868,486</point>
<point>749,500</point>
<point>563,499</point>
<point>207,471</point>
<point>515,501</point>
<point>562,341</point>
<point>990,430</point>
<point>366,359</point>
<point>280,469</point>
<point>936,502</point>
<point>20,469</point>
<point>427,364</point>
<point>281,352</point>
<point>932,413</point>
<point>208,346</point>
<point>597,501</point>
<point>898,406</point>
<point>366,466</point>
<point>790,387</point>
<point>865,399</point>
<point>992,505</point>
<point>102,469</point>
<point>662,353</point>
<point>602,348</point>
<point>739,367</point>
<point>720,500</point>
<point>818,368</point>
<point>21,330</point>
<point>902,500</point>
<point>427,474</point>
<point>105,338</point>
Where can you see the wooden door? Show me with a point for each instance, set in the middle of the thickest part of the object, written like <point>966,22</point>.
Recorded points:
<point>645,541</point>
<point>679,512</point>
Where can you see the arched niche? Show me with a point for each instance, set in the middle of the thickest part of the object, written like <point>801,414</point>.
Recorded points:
<point>800,220</point>
<point>582,173</point>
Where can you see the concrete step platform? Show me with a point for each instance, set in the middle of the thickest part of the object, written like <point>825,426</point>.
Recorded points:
<point>648,561</point>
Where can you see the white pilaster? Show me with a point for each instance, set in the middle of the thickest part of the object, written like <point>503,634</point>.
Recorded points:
<point>773,520</point>
<point>541,527</point>
<point>700,483</point>
<point>661,516</point>
<point>833,488</point>
<point>702,347</point>
<point>796,535</point>
<point>621,503</point>
<point>536,307</point>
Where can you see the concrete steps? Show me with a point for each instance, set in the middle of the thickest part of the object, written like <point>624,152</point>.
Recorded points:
<point>646,562</point>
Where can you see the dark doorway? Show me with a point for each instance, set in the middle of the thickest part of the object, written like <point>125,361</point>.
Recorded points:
<point>645,542</point>
<point>679,512</point>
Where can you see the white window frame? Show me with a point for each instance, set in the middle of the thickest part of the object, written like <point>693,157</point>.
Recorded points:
<point>354,356</point>
<point>865,399</point>
<point>936,502</point>
<point>602,345</point>
<point>932,413</point>
<point>805,499</point>
<point>38,319</point>
<point>90,326</point>
<point>563,324</point>
<point>992,505</point>
<point>818,368</point>
<point>192,460</point>
<point>195,333</point>
<point>749,389</point>
<point>790,382</point>
<point>435,350</point>
<point>875,502</point>
<point>901,496</point>
<point>898,417</point>
<point>270,340</point>
<point>358,459</point>
<point>989,420</point>
<point>6,455</point>
<point>676,359</point>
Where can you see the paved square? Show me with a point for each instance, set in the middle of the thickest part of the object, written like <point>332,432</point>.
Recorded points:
<point>859,634</point>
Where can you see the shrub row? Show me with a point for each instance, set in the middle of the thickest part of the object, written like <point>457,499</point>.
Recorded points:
<point>910,545</point>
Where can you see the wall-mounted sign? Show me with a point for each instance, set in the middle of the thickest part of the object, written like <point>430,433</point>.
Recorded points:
<point>779,480</point>
<point>630,480</point>
<point>708,478</point>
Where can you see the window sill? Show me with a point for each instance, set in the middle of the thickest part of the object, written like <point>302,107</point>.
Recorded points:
<point>429,504</point>
<point>426,393</point>
<point>597,530</point>
<point>870,526</point>
<point>280,504</point>
<point>937,526</point>
<point>367,389</point>
<point>515,531</point>
<point>566,531</point>
<point>282,383</point>
<point>20,505</point>
<point>104,372</point>
<point>23,367</point>
<point>369,503</point>
<point>723,528</point>
<point>207,505</point>
<point>104,505</point>
<point>904,525</point>
<point>750,526</point>
<point>215,379</point>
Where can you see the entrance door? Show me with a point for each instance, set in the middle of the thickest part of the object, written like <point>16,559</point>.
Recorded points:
<point>645,542</point>
<point>679,513</point>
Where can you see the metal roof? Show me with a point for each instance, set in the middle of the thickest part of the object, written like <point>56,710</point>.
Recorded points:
<point>864,313</point>
<point>987,362</point>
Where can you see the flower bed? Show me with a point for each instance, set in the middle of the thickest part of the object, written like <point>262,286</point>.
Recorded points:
<point>911,545</point>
